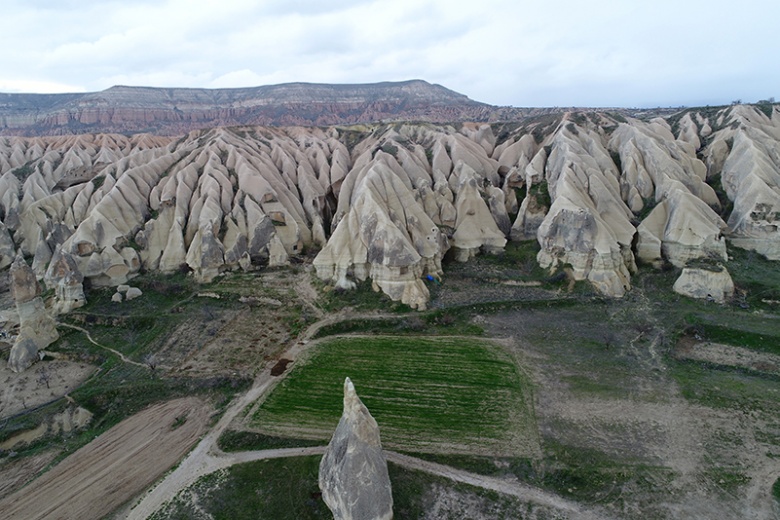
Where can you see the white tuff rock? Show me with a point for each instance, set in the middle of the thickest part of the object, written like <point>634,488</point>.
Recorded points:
<point>37,329</point>
<point>713,284</point>
<point>353,472</point>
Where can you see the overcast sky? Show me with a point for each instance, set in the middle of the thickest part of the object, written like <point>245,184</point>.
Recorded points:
<point>503,52</point>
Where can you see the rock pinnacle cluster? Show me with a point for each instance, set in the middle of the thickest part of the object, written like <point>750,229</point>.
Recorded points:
<point>600,192</point>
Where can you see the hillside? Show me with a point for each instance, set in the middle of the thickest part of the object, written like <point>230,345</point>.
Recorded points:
<point>173,111</point>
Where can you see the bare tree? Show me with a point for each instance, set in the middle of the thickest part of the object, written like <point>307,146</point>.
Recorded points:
<point>44,375</point>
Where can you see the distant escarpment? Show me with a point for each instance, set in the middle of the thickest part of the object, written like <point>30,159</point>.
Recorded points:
<point>176,111</point>
<point>598,191</point>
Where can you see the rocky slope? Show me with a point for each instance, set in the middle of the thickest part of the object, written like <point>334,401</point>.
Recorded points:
<point>176,111</point>
<point>386,202</point>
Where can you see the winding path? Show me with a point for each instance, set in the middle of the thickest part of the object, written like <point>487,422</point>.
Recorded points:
<point>114,351</point>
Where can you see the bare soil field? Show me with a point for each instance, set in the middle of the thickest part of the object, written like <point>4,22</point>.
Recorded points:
<point>224,342</point>
<point>719,354</point>
<point>15,473</point>
<point>44,382</point>
<point>115,467</point>
<point>244,337</point>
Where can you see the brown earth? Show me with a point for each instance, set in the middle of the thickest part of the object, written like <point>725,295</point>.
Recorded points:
<point>719,354</point>
<point>240,339</point>
<point>115,467</point>
<point>15,473</point>
<point>44,382</point>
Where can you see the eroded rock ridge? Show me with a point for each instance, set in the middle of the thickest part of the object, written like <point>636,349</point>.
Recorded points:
<point>386,202</point>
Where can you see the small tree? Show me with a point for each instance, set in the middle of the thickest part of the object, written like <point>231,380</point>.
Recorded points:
<point>44,376</point>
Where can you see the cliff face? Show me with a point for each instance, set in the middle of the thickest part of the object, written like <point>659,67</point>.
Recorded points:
<point>176,111</point>
<point>386,202</point>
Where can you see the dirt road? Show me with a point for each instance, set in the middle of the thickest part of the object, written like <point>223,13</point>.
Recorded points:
<point>113,468</point>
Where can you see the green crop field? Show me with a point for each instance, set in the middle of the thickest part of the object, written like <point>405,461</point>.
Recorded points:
<point>428,394</point>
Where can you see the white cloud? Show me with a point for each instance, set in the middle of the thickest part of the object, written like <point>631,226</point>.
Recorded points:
<point>515,52</point>
<point>35,86</point>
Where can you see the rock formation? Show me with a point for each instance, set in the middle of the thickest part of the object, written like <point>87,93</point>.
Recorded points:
<point>386,236</point>
<point>588,226</point>
<point>67,281</point>
<point>7,249</point>
<point>386,202</point>
<point>37,329</point>
<point>711,283</point>
<point>353,472</point>
<point>751,177</point>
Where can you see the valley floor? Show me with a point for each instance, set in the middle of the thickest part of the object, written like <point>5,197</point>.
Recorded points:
<point>654,406</point>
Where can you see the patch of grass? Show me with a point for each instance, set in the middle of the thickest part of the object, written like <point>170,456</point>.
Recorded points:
<point>726,204</point>
<point>758,277</point>
<point>120,390</point>
<point>417,495</point>
<point>725,387</point>
<point>287,489</point>
<point>30,419</point>
<point>425,393</point>
<point>516,255</point>
<point>274,488</point>
<point>727,479</point>
<point>776,489</point>
<point>362,298</point>
<point>297,319</point>
<point>593,476</point>
<point>582,384</point>
<point>234,440</point>
<point>140,326</point>
<point>178,422</point>
<point>438,322</point>
<point>351,137</point>
<point>23,172</point>
<point>580,473</point>
<point>542,193</point>
<point>390,148</point>
<point>518,467</point>
<point>765,106</point>
<point>731,335</point>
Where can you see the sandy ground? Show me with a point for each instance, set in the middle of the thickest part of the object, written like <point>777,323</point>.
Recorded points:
<point>14,473</point>
<point>42,383</point>
<point>731,356</point>
<point>115,467</point>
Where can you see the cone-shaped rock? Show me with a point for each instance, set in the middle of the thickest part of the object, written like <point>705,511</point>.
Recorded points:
<point>37,329</point>
<point>24,286</point>
<point>353,472</point>
<point>64,276</point>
